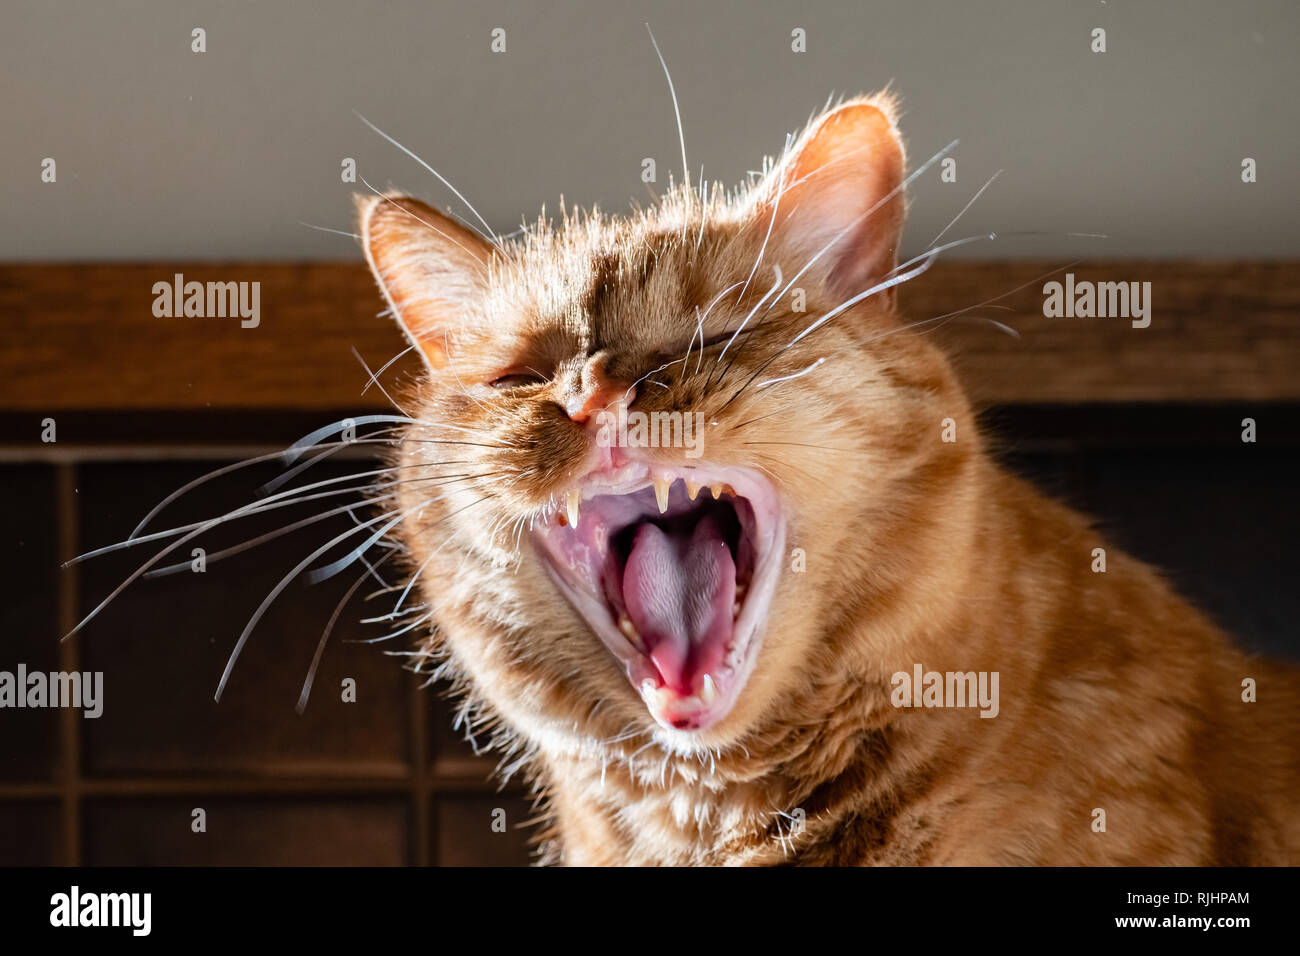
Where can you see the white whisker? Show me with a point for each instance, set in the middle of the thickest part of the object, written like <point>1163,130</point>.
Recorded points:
<point>977,195</point>
<point>490,236</point>
<point>787,378</point>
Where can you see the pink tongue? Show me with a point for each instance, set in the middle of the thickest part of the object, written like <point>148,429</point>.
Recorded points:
<point>679,591</point>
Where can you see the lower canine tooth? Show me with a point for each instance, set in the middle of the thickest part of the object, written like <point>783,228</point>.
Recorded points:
<point>661,493</point>
<point>656,698</point>
<point>572,503</point>
<point>708,692</point>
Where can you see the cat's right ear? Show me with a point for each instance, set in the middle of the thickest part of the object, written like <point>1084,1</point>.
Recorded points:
<point>836,198</point>
<point>430,268</point>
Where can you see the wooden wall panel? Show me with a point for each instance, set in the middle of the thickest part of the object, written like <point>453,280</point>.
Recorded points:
<point>84,337</point>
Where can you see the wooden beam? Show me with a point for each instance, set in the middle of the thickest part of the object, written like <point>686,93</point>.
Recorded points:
<point>84,337</point>
<point>1219,331</point>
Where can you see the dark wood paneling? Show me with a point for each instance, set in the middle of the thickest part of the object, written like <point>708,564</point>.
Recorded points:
<point>30,833</point>
<point>1220,331</point>
<point>357,831</point>
<point>163,643</point>
<point>484,830</point>
<point>84,337</point>
<point>28,634</point>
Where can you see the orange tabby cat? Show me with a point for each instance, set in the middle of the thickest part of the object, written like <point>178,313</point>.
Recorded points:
<point>708,638</point>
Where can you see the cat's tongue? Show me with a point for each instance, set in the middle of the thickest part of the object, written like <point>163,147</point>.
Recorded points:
<point>679,589</point>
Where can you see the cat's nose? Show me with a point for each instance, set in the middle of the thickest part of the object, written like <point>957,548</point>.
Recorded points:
<point>596,391</point>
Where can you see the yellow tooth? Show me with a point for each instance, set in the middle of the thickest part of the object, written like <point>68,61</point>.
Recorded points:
<point>708,691</point>
<point>692,489</point>
<point>735,609</point>
<point>740,590</point>
<point>629,630</point>
<point>716,491</point>
<point>656,698</point>
<point>572,502</point>
<point>661,492</point>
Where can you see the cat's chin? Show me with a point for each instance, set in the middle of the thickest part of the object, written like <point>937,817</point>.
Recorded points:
<point>674,570</point>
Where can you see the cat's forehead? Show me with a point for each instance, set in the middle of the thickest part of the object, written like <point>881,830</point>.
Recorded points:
<point>618,284</point>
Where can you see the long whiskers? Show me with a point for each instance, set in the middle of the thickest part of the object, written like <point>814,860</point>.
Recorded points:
<point>281,499</point>
<point>681,136</point>
<point>325,635</point>
<point>389,524</point>
<point>978,193</point>
<point>374,378</point>
<point>435,480</point>
<point>489,235</point>
<point>227,469</point>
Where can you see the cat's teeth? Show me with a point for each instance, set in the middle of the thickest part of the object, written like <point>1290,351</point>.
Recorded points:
<point>630,632</point>
<point>572,504</point>
<point>661,492</point>
<point>735,609</point>
<point>716,491</point>
<point>708,691</point>
<point>656,698</point>
<point>692,489</point>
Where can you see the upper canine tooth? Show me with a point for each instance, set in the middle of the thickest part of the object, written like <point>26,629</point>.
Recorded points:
<point>572,503</point>
<point>661,492</point>
<point>692,489</point>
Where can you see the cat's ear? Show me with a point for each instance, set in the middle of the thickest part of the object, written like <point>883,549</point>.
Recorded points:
<point>838,193</point>
<point>431,268</point>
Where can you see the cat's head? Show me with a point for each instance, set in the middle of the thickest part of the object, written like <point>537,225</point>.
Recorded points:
<point>665,462</point>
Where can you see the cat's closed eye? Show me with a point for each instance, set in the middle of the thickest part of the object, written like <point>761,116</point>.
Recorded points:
<point>518,379</point>
<point>722,338</point>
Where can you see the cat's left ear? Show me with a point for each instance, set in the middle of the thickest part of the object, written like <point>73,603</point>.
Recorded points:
<point>837,194</point>
<point>431,268</point>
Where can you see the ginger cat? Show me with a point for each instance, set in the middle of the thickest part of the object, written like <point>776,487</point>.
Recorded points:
<point>700,647</point>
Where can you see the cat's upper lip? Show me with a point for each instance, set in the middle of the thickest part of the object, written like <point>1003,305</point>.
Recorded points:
<point>575,559</point>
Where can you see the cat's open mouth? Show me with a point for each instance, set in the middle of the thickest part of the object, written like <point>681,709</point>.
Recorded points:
<point>674,571</point>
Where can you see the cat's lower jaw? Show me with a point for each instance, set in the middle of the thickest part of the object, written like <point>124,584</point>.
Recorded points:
<point>676,581</point>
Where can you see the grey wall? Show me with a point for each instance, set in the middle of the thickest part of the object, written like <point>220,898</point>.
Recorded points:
<point>164,153</point>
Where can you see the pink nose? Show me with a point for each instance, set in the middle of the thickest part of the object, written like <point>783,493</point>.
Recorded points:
<point>596,393</point>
